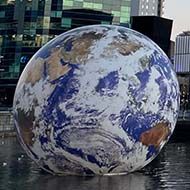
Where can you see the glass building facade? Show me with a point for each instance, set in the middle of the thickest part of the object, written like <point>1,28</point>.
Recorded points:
<point>119,8</point>
<point>26,25</point>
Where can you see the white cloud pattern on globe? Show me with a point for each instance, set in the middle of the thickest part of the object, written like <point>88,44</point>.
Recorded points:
<point>98,99</point>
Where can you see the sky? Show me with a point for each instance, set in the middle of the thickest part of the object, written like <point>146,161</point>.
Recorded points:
<point>179,12</point>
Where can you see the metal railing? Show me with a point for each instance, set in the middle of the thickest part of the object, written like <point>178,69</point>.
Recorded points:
<point>6,121</point>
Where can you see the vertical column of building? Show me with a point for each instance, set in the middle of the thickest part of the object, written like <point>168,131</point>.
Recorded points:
<point>135,8</point>
<point>26,14</point>
<point>46,21</point>
<point>7,39</point>
<point>56,18</point>
<point>160,7</point>
<point>19,15</point>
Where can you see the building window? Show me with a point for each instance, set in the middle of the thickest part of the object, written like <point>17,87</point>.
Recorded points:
<point>105,22</point>
<point>57,14</point>
<point>98,6</point>
<point>66,22</point>
<point>2,14</point>
<point>116,13</point>
<point>46,22</point>
<point>88,5</point>
<point>124,20</point>
<point>67,3</point>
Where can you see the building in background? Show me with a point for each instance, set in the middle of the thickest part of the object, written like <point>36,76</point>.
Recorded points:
<point>160,8</point>
<point>182,53</point>
<point>147,7</point>
<point>120,9</point>
<point>182,67</point>
<point>156,28</point>
<point>27,25</point>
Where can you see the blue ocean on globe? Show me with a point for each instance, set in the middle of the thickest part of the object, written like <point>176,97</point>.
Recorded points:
<point>99,99</point>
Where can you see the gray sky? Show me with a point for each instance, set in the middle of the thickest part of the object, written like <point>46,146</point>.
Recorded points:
<point>179,12</point>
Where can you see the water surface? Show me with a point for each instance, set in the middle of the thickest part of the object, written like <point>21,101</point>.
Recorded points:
<point>170,170</point>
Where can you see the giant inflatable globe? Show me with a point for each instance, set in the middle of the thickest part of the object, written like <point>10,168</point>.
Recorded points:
<point>96,100</point>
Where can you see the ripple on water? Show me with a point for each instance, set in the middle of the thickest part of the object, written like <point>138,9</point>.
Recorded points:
<point>170,170</point>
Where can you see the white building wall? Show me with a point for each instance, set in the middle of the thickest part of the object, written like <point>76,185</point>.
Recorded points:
<point>144,7</point>
<point>182,53</point>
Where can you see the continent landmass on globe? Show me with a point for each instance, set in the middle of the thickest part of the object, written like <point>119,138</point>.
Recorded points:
<point>56,64</point>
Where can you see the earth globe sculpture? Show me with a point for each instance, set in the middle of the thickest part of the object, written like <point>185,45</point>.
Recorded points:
<point>96,100</point>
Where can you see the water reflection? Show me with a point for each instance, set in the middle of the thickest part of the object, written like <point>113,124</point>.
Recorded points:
<point>170,170</point>
<point>133,181</point>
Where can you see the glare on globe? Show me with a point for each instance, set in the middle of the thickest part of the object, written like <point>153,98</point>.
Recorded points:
<point>99,99</point>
